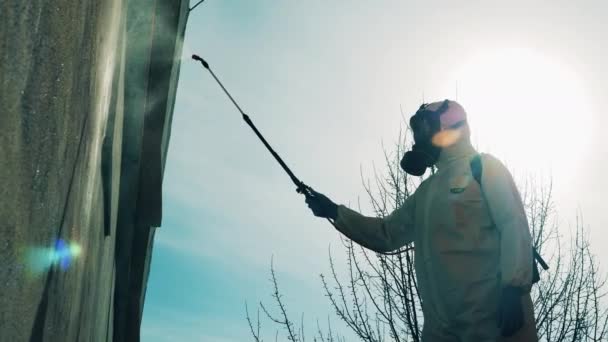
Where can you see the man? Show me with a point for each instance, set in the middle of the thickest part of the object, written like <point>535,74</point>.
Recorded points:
<point>473,252</point>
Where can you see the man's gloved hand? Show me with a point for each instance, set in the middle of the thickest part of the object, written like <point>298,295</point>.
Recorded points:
<point>510,312</point>
<point>322,206</point>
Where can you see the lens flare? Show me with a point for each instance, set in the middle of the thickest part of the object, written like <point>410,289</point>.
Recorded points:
<point>62,254</point>
<point>446,137</point>
<point>75,249</point>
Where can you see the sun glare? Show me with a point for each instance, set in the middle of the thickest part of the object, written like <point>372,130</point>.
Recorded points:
<point>529,109</point>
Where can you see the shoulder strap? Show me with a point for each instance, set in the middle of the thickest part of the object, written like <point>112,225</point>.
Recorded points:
<point>477,171</point>
<point>477,168</point>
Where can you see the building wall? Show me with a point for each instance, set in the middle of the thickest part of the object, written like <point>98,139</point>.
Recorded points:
<point>86,99</point>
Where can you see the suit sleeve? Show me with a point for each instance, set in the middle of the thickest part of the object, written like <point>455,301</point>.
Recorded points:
<point>507,210</point>
<point>379,234</point>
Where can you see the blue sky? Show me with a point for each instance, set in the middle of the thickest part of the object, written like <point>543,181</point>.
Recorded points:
<point>324,82</point>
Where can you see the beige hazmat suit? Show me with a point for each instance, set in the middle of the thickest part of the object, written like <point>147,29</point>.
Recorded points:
<point>468,245</point>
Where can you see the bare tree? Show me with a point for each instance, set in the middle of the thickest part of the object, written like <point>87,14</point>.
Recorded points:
<point>282,320</point>
<point>378,297</point>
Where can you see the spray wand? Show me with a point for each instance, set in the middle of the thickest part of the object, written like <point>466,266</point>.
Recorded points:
<point>300,186</point>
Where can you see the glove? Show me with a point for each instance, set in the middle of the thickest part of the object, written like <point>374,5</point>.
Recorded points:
<point>321,206</point>
<point>510,312</point>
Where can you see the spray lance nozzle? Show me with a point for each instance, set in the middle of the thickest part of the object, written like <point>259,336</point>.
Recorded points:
<point>198,58</point>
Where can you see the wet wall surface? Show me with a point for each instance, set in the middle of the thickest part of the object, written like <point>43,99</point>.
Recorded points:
<point>75,116</point>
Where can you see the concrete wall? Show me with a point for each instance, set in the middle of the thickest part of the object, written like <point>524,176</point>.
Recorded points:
<point>86,99</point>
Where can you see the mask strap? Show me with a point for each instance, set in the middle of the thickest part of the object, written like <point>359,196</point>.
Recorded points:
<point>443,108</point>
<point>458,124</point>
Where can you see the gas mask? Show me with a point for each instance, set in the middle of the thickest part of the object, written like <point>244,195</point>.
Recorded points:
<point>425,124</point>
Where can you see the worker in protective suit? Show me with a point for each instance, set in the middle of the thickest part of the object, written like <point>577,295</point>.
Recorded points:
<point>473,252</point>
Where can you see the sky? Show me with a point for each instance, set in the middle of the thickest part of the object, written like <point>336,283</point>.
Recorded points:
<point>327,83</point>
